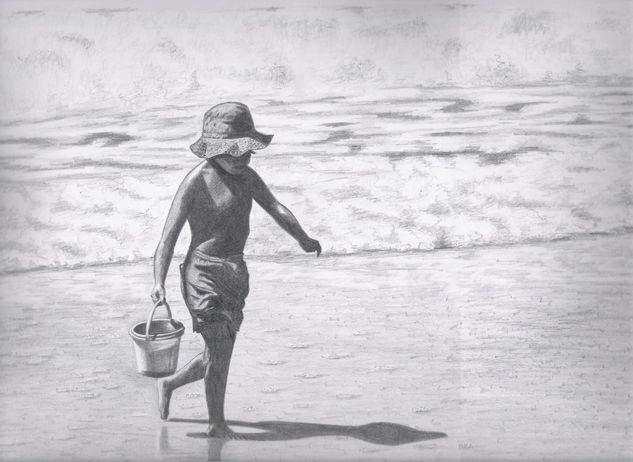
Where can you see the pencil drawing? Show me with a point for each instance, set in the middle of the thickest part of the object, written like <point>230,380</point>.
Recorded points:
<point>462,171</point>
<point>215,199</point>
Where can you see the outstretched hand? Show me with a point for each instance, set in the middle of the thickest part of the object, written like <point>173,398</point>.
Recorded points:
<point>311,245</point>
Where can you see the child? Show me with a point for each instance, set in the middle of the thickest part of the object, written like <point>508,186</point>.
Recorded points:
<point>216,199</point>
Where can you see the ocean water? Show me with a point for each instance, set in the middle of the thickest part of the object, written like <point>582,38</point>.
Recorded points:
<point>64,56</point>
<point>398,127</point>
<point>400,169</point>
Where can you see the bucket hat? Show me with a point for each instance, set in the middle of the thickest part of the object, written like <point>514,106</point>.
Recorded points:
<point>228,128</point>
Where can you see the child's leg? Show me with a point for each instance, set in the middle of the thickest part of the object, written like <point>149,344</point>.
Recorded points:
<point>191,372</point>
<point>219,350</point>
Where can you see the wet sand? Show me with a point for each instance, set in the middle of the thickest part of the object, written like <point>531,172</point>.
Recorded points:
<point>521,352</point>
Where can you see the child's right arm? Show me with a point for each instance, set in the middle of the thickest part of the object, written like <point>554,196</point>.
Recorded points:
<point>176,218</point>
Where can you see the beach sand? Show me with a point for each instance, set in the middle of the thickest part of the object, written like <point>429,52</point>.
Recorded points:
<point>518,352</point>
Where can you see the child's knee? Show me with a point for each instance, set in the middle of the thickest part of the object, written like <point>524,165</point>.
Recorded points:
<point>218,358</point>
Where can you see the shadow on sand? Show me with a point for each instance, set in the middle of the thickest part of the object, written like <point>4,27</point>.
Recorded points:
<point>378,432</point>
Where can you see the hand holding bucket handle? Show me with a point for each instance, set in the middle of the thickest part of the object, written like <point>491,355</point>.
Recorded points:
<point>158,293</point>
<point>151,316</point>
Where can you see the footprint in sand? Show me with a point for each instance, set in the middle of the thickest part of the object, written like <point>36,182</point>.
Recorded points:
<point>114,316</point>
<point>307,375</point>
<point>14,443</point>
<point>422,410</point>
<point>302,405</point>
<point>386,368</point>
<point>112,387</point>
<point>360,334</point>
<point>336,355</point>
<point>425,447</point>
<point>63,438</point>
<point>101,371</point>
<point>271,390</point>
<point>272,362</point>
<point>74,427</point>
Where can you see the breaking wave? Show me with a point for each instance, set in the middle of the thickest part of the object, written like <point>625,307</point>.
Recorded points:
<point>77,57</point>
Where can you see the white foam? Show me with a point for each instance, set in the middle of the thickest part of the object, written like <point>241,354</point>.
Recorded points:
<point>380,185</point>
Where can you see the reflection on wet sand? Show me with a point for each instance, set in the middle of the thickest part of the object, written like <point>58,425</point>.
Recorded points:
<point>165,451</point>
<point>214,447</point>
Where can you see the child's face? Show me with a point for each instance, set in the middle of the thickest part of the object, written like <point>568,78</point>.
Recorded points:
<point>234,165</point>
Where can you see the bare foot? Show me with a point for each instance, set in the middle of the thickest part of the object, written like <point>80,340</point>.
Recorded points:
<point>222,431</point>
<point>164,395</point>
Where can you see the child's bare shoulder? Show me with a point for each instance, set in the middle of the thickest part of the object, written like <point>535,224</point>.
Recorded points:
<point>190,180</point>
<point>193,174</point>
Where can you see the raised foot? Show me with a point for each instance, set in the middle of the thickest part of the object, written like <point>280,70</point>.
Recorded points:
<point>164,395</point>
<point>222,431</point>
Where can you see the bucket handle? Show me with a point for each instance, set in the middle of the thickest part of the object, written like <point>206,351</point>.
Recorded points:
<point>151,315</point>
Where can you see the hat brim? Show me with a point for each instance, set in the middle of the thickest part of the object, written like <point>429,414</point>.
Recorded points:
<point>206,148</point>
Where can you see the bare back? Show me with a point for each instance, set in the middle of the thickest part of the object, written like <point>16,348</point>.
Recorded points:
<point>219,212</point>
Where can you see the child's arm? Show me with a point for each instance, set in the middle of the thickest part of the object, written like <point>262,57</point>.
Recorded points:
<point>280,213</point>
<point>173,225</point>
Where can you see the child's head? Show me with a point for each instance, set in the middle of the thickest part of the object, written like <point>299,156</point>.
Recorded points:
<point>228,129</point>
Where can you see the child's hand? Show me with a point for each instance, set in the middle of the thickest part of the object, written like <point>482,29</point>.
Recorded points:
<point>311,245</point>
<point>158,294</point>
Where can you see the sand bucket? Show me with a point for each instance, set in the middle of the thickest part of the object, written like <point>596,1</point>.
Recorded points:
<point>156,344</point>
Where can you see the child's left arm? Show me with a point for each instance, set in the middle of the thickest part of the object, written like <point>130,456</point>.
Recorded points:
<point>284,217</point>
